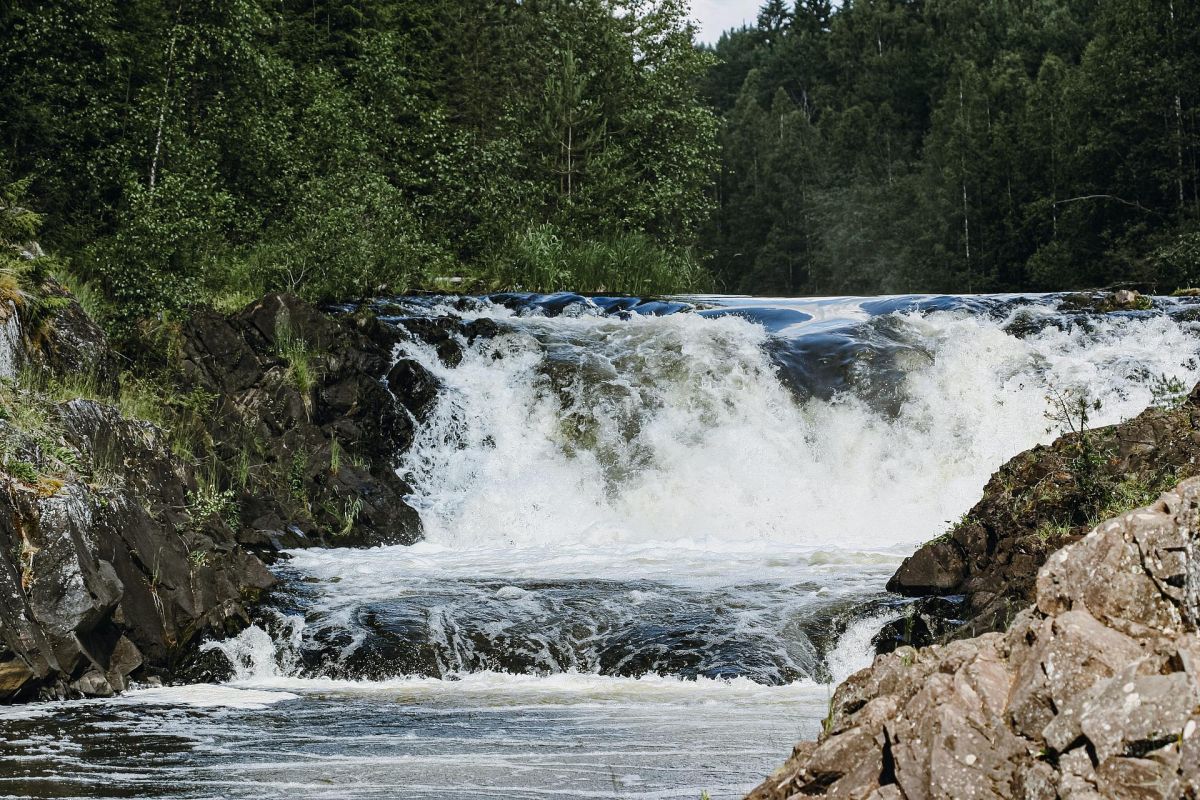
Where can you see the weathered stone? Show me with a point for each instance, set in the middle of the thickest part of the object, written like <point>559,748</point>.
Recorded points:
<point>106,568</point>
<point>1072,652</point>
<point>1134,714</point>
<point>1092,693</point>
<point>1155,777</point>
<point>93,684</point>
<point>936,568</point>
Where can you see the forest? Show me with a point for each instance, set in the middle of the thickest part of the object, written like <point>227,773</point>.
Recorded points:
<point>199,153</point>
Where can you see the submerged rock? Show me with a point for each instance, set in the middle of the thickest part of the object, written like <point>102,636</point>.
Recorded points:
<point>1093,691</point>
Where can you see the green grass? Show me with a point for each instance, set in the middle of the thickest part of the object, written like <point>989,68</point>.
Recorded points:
<point>299,356</point>
<point>1051,531</point>
<point>91,297</point>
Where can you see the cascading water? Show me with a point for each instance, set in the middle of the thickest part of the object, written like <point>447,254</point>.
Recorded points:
<point>654,532</point>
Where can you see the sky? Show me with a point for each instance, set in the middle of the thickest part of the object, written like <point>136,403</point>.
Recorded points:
<point>717,16</point>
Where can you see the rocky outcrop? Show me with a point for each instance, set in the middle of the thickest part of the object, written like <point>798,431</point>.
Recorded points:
<point>113,556</point>
<point>1038,502</point>
<point>1093,691</point>
<point>309,409</point>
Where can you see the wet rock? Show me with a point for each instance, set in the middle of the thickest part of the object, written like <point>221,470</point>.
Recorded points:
<point>414,386</point>
<point>925,621</point>
<point>107,569</point>
<point>1105,302</point>
<point>439,333</point>
<point>1091,693</point>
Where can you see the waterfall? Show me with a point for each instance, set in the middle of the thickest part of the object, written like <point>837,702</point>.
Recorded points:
<point>694,493</point>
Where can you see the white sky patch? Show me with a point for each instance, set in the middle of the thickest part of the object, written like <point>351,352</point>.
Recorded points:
<point>717,16</point>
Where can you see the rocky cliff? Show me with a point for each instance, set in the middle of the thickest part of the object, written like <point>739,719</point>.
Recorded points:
<point>125,541</point>
<point>1035,504</point>
<point>111,563</point>
<point>1093,691</point>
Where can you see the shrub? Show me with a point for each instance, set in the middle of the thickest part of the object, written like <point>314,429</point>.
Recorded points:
<point>541,259</point>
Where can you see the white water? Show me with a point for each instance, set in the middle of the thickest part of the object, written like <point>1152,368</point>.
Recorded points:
<point>659,466</point>
<point>722,459</point>
<point>656,483</point>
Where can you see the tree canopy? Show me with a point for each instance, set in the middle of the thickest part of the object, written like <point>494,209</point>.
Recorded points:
<point>955,145</point>
<point>185,152</point>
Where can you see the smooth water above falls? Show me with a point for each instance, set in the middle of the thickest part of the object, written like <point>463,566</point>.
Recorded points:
<point>655,532</point>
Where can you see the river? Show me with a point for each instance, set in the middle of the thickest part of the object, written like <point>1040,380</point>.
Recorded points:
<point>657,533</point>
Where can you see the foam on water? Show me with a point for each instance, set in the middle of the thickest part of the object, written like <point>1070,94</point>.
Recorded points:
<point>645,494</point>
<point>645,561</point>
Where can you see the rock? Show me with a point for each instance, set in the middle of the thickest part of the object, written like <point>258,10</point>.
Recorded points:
<point>413,386</point>
<point>107,569</point>
<point>323,453</point>
<point>1036,503</point>
<point>1093,691</point>
<point>1105,302</point>
<point>938,567</point>
<point>926,620</point>
<point>438,333</point>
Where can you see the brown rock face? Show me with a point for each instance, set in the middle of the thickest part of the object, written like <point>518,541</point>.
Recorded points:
<point>1093,692</point>
<point>1044,499</point>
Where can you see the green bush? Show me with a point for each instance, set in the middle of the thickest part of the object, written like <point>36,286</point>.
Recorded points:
<point>542,259</point>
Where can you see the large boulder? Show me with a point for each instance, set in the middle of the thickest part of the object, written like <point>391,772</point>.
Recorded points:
<point>1093,691</point>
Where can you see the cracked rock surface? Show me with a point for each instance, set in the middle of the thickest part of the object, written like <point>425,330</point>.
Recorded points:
<point>1092,692</point>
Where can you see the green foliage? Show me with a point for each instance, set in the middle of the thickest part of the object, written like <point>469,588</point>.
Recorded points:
<point>1053,531</point>
<point>1168,392</point>
<point>204,153</point>
<point>23,471</point>
<point>296,475</point>
<point>210,501</point>
<point>1071,410</point>
<point>299,356</point>
<point>542,258</point>
<point>335,457</point>
<point>348,515</point>
<point>954,146</point>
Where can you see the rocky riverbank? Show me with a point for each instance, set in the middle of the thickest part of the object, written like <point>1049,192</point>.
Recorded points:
<point>135,524</point>
<point>1093,691</point>
<point>1074,668</point>
<point>980,574</point>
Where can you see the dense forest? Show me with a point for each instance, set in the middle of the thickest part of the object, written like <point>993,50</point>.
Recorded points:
<point>180,153</point>
<point>211,149</point>
<point>959,145</point>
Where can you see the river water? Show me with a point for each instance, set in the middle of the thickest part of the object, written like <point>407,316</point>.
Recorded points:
<point>656,533</point>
